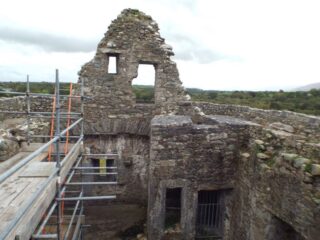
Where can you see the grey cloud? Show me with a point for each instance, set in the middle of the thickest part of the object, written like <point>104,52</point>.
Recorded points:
<point>186,48</point>
<point>46,41</point>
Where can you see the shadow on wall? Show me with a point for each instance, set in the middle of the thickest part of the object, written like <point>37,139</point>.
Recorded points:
<point>280,230</point>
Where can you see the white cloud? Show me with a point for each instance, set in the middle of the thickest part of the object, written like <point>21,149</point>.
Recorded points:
<point>230,44</point>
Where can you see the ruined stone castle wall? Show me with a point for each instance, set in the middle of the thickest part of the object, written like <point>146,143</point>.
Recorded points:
<point>271,176</point>
<point>133,38</point>
<point>194,157</point>
<point>278,184</point>
<point>39,104</point>
<point>278,192</point>
<point>310,125</point>
<point>112,115</point>
<point>266,161</point>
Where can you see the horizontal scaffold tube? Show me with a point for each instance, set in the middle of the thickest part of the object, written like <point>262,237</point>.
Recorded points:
<point>27,159</point>
<point>87,198</point>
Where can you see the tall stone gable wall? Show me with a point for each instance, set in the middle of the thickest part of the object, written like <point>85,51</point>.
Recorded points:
<point>133,38</point>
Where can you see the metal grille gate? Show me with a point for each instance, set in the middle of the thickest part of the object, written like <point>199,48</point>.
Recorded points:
<point>209,215</point>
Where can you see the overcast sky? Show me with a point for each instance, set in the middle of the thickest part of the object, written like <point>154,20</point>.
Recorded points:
<point>219,44</point>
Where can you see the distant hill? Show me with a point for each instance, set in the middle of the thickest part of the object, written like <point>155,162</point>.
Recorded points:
<point>308,87</point>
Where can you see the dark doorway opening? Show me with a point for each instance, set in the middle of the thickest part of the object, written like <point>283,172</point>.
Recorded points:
<point>280,230</point>
<point>210,212</point>
<point>173,207</point>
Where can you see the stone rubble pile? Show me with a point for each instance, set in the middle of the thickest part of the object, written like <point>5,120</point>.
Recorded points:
<point>13,133</point>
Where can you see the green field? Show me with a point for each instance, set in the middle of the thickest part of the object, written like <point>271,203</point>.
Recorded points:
<point>304,102</point>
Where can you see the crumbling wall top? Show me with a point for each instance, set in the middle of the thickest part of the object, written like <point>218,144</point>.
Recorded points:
<point>133,38</point>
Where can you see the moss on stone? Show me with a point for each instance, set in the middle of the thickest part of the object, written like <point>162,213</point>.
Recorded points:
<point>308,167</point>
<point>271,162</point>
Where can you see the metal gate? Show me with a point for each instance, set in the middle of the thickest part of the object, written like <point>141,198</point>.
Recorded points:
<point>209,215</point>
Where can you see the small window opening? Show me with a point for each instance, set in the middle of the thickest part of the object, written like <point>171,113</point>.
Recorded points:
<point>112,64</point>
<point>143,85</point>
<point>173,207</point>
<point>210,211</point>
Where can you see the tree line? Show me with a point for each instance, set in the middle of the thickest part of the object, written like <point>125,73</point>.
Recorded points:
<point>307,102</point>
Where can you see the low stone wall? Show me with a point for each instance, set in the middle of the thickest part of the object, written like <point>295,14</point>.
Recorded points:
<point>268,190</point>
<point>18,104</point>
<point>301,122</point>
<point>278,187</point>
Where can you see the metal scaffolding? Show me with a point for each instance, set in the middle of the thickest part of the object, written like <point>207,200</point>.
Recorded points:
<point>55,224</point>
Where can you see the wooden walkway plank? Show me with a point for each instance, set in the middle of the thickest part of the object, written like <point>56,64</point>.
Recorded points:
<point>18,189</point>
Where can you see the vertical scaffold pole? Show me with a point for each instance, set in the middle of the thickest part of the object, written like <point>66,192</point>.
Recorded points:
<point>82,150</point>
<point>57,151</point>
<point>28,110</point>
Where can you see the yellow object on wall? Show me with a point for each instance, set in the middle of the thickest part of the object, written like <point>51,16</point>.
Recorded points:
<point>102,165</point>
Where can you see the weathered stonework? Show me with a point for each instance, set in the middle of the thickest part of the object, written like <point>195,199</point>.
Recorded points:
<point>40,104</point>
<point>193,157</point>
<point>112,113</point>
<point>266,162</point>
<point>133,38</point>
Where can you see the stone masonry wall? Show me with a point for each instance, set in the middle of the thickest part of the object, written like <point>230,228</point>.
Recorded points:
<point>194,157</point>
<point>269,167</point>
<point>305,124</point>
<point>40,104</point>
<point>133,38</point>
<point>268,176</point>
<point>112,112</point>
<point>276,184</point>
<point>132,169</point>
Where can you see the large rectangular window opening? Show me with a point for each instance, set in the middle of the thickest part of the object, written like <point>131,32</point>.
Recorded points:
<point>113,64</point>
<point>173,207</point>
<point>210,212</point>
<point>143,84</point>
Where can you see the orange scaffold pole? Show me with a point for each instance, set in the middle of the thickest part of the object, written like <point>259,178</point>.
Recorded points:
<point>52,126</point>
<point>68,120</point>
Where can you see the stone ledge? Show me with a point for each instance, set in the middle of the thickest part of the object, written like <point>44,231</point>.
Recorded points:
<point>171,121</point>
